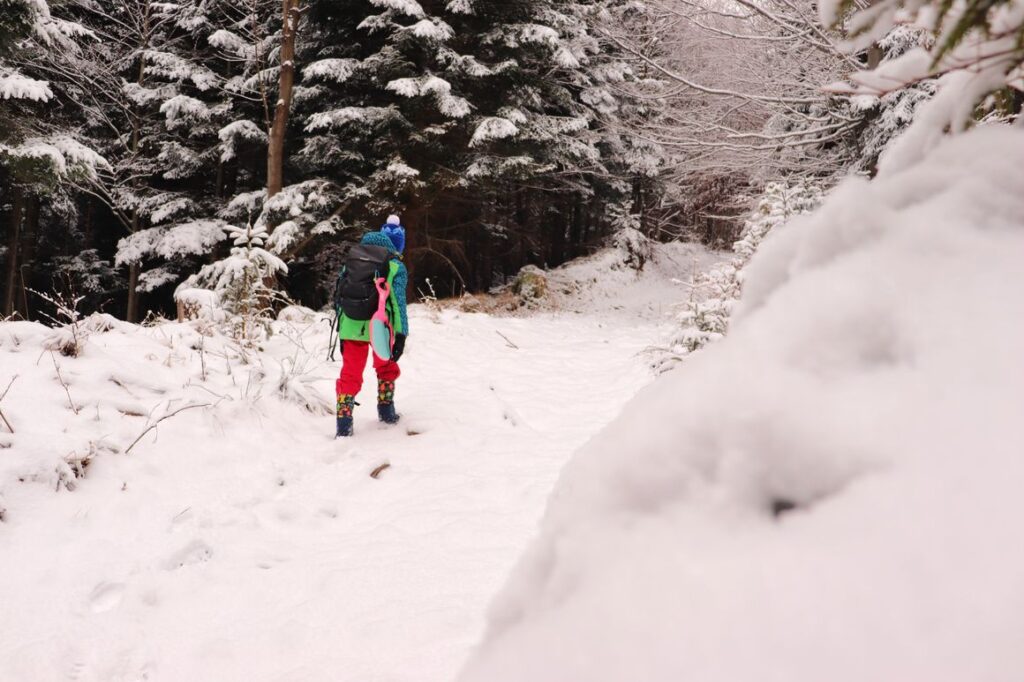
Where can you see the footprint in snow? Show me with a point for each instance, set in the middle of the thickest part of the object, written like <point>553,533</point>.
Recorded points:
<point>195,552</point>
<point>105,597</point>
<point>329,511</point>
<point>270,561</point>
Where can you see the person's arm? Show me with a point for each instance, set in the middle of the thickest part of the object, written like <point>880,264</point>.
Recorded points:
<point>400,283</point>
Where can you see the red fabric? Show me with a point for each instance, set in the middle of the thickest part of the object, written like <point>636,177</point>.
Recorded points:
<point>353,362</point>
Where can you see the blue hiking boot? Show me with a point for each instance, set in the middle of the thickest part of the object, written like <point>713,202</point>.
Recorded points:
<point>345,405</point>
<point>386,402</point>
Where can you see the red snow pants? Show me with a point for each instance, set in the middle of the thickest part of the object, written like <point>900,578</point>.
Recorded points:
<point>353,362</point>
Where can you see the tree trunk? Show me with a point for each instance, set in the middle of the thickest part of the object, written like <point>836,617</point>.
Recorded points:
<point>89,224</point>
<point>414,240</point>
<point>561,224</point>
<point>275,148</point>
<point>12,250</point>
<point>30,227</point>
<point>220,179</point>
<point>576,227</point>
<point>132,314</point>
<point>875,55</point>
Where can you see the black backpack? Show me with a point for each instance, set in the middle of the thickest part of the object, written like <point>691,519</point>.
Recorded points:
<point>355,292</point>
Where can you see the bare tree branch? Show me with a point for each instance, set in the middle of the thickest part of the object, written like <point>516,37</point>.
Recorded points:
<point>4,395</point>
<point>166,416</point>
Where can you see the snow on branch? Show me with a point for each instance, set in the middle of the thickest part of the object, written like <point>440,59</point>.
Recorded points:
<point>334,69</point>
<point>196,237</point>
<point>13,85</point>
<point>233,44</point>
<point>493,128</point>
<point>514,35</point>
<point>337,118</point>
<point>431,29</point>
<point>409,8</point>
<point>184,110</point>
<point>236,132</point>
<point>64,157</point>
<point>175,68</point>
<point>450,105</point>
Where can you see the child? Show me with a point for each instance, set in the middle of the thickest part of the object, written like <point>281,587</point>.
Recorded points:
<point>356,298</point>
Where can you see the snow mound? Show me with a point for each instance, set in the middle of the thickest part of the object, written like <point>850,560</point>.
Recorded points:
<point>98,386</point>
<point>830,493</point>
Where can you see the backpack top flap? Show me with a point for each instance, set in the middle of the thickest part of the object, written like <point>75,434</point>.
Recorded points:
<point>357,292</point>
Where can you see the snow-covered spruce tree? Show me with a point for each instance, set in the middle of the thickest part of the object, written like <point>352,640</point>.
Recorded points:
<point>489,125</point>
<point>178,169</point>
<point>19,20</point>
<point>634,248</point>
<point>706,313</point>
<point>631,166</point>
<point>41,161</point>
<point>237,286</point>
<point>456,113</point>
<point>175,95</point>
<point>254,42</point>
<point>118,87</point>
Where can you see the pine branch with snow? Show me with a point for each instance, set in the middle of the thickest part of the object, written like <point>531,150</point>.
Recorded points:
<point>976,49</point>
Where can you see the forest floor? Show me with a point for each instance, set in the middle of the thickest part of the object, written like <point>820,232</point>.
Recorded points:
<point>237,540</point>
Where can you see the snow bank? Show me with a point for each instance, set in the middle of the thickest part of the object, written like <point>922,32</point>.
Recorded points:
<point>92,388</point>
<point>830,493</point>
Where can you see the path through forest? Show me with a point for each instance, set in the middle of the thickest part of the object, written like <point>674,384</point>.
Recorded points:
<point>244,543</point>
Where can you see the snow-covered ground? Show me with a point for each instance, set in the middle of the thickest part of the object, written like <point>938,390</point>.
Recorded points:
<point>833,491</point>
<point>240,541</point>
<point>603,285</point>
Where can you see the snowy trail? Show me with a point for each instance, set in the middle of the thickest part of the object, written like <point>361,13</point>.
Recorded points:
<point>248,545</point>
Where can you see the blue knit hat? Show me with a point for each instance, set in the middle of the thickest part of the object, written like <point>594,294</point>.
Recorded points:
<point>395,232</point>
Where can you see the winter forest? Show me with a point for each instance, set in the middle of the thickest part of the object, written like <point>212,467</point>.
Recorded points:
<point>714,316</point>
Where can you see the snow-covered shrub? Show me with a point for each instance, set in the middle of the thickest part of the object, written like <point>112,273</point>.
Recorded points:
<point>297,313</point>
<point>531,285</point>
<point>635,249</point>
<point>296,383</point>
<point>629,242</point>
<point>101,323</point>
<point>238,283</point>
<point>705,317</point>
<point>69,334</point>
<point>198,304</point>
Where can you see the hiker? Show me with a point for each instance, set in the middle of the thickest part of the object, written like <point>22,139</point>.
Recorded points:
<point>378,255</point>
